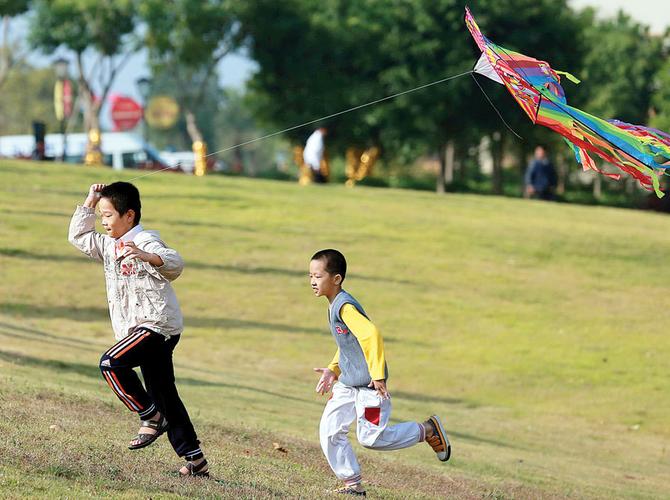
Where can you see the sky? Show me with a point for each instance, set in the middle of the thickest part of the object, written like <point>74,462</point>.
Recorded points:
<point>235,69</point>
<point>654,13</point>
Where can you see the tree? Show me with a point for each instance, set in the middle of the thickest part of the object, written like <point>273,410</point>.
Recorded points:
<point>27,96</point>
<point>8,49</point>
<point>619,70</point>
<point>317,58</point>
<point>430,41</point>
<point>235,124</point>
<point>660,98</point>
<point>103,26</point>
<point>187,39</point>
<point>206,116</point>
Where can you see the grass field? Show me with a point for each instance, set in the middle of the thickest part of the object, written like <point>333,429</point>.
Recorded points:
<point>536,330</point>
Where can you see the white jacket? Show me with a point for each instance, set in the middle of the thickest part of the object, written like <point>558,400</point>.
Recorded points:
<point>138,293</point>
<point>313,152</point>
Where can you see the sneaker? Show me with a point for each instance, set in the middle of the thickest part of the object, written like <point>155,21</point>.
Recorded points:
<point>351,490</point>
<point>439,441</point>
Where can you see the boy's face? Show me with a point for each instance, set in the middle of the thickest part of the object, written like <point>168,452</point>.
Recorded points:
<point>114,223</point>
<point>323,283</point>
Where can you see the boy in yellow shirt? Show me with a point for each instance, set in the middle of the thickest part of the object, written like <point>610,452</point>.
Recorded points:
<point>357,375</point>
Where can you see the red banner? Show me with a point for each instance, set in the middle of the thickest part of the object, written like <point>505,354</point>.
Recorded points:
<point>67,98</point>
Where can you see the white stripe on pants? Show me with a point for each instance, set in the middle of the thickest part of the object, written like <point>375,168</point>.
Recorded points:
<point>348,404</point>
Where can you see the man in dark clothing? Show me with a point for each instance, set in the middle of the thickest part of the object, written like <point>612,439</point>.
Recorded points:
<point>541,176</point>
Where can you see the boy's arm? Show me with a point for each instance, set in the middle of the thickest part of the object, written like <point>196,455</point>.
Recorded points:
<point>334,365</point>
<point>171,264</point>
<point>82,233</point>
<point>369,338</point>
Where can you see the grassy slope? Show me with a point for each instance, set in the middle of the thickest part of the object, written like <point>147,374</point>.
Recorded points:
<point>536,330</point>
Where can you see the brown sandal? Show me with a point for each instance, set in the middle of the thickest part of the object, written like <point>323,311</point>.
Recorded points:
<point>196,470</point>
<point>160,426</point>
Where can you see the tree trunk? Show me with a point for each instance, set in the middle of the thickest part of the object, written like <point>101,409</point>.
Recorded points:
<point>523,166</point>
<point>199,147</point>
<point>192,127</point>
<point>597,186</point>
<point>449,159</point>
<point>562,172</point>
<point>440,188</point>
<point>629,186</point>
<point>497,154</point>
<point>91,119</point>
<point>5,52</point>
<point>460,170</point>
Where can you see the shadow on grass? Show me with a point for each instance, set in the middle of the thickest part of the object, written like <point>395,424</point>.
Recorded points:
<point>199,223</point>
<point>244,324</point>
<point>50,364</point>
<point>225,197</point>
<point>91,314</point>
<point>478,439</point>
<point>63,312</point>
<point>422,398</point>
<point>23,333</point>
<point>242,269</point>
<point>41,213</point>
<point>277,271</point>
<point>101,313</point>
<point>92,371</point>
<point>24,254</point>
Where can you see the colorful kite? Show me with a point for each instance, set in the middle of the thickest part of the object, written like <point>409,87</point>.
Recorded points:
<point>642,152</point>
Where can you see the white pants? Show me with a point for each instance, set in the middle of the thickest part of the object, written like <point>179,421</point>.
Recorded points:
<point>372,414</point>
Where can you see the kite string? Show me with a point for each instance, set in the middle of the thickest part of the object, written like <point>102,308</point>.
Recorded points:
<point>493,106</point>
<point>349,110</point>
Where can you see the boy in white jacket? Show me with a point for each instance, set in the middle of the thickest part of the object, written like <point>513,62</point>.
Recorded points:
<point>145,314</point>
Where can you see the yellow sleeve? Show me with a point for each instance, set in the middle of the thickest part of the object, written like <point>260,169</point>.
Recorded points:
<point>335,363</point>
<point>368,337</point>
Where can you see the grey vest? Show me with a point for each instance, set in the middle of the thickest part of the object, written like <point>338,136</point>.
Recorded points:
<point>352,362</point>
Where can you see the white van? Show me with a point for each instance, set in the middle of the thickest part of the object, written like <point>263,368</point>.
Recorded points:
<point>119,149</point>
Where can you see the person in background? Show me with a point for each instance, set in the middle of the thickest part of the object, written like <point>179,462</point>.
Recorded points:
<point>313,153</point>
<point>541,178</point>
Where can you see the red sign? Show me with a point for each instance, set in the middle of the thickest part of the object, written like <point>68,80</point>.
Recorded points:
<point>67,98</point>
<point>126,113</point>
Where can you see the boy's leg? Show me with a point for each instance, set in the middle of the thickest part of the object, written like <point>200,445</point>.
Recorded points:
<point>373,414</point>
<point>158,372</point>
<point>117,364</point>
<point>338,415</point>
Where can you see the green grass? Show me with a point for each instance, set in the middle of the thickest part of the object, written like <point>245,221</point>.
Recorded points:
<point>537,331</point>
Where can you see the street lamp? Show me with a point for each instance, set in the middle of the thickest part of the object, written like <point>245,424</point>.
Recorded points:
<point>61,65</point>
<point>62,98</point>
<point>144,87</point>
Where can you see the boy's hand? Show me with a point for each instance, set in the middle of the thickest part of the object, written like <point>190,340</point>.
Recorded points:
<point>93,195</point>
<point>130,251</point>
<point>380,387</point>
<point>328,377</point>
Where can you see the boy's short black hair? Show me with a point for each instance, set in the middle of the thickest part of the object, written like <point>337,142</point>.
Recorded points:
<point>124,196</point>
<point>335,261</point>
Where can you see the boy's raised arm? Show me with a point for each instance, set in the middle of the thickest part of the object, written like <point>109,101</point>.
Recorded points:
<point>82,233</point>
